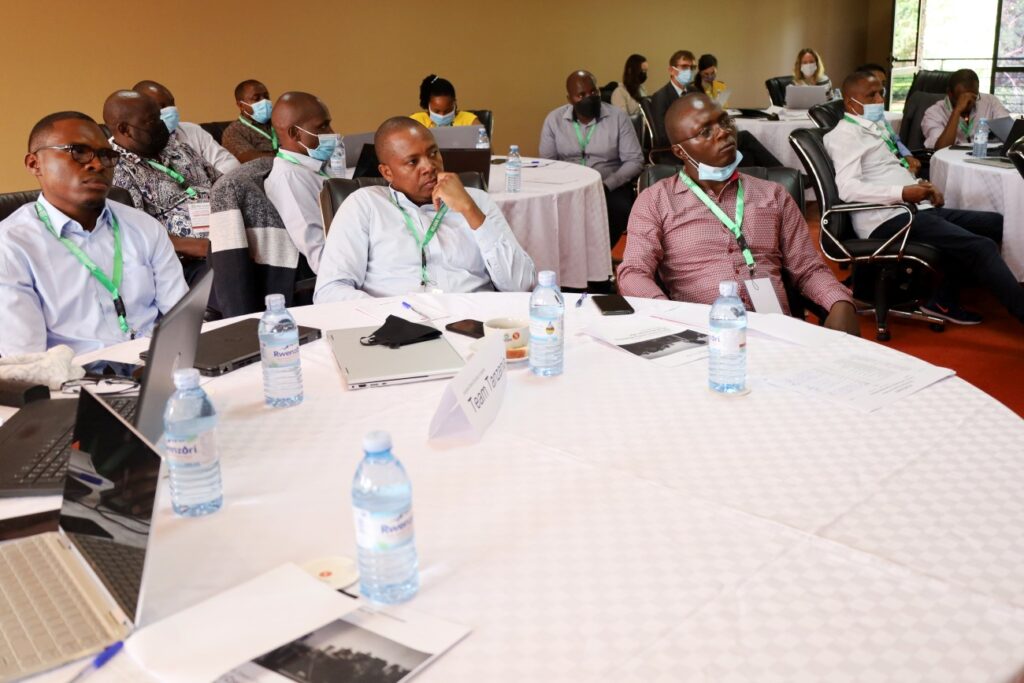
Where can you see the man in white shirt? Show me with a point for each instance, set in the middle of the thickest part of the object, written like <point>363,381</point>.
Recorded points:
<point>48,293</point>
<point>869,168</point>
<point>190,133</point>
<point>423,232</point>
<point>303,126</point>
<point>952,120</point>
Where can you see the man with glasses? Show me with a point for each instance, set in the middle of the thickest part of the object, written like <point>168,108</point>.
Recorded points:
<point>302,125</point>
<point>681,70</point>
<point>953,119</point>
<point>165,177</point>
<point>75,268</point>
<point>709,223</point>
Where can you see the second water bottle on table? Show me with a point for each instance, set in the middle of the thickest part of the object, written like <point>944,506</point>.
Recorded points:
<point>513,170</point>
<point>279,349</point>
<point>979,148</point>
<point>190,448</point>
<point>547,326</point>
<point>727,342</point>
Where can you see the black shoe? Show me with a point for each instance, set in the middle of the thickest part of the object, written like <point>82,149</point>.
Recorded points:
<point>954,314</point>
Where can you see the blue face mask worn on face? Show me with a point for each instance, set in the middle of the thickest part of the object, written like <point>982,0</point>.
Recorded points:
<point>872,112</point>
<point>440,120</point>
<point>684,76</point>
<point>717,174</point>
<point>170,117</point>
<point>260,110</point>
<point>325,145</point>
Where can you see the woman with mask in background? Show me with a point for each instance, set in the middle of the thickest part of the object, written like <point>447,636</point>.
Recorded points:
<point>627,96</point>
<point>707,79</point>
<point>810,70</point>
<point>440,108</point>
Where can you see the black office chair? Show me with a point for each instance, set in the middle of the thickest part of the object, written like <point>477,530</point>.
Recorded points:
<point>1016,154</point>
<point>930,81</point>
<point>660,151</point>
<point>215,128</point>
<point>644,133</point>
<point>913,113</point>
<point>777,89</point>
<point>486,117</point>
<point>607,90</point>
<point>889,275</point>
<point>827,115</point>
<point>12,201</point>
<point>336,190</point>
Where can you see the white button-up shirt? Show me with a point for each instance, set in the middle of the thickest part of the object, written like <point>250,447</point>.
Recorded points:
<point>294,190</point>
<point>48,297</point>
<point>867,171</point>
<point>937,116</point>
<point>369,251</point>
<point>198,139</point>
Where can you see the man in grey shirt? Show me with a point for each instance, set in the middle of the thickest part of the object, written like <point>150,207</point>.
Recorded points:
<point>587,131</point>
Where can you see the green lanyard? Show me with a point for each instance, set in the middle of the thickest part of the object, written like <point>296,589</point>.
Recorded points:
<point>273,133</point>
<point>584,142</point>
<point>964,126</point>
<point>292,160</point>
<point>422,244</point>
<point>112,286</point>
<point>889,140</point>
<point>175,176</point>
<point>735,226</point>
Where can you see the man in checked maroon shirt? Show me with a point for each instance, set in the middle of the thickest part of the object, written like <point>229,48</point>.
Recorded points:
<point>673,233</point>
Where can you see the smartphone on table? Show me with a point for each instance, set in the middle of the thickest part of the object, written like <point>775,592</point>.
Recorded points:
<point>612,304</point>
<point>469,327</point>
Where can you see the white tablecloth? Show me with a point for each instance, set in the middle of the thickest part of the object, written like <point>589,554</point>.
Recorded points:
<point>560,218</point>
<point>985,188</point>
<point>622,523</point>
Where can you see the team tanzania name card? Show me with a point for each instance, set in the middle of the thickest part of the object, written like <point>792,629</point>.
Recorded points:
<point>471,400</point>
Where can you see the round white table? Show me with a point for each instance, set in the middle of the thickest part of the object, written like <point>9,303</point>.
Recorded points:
<point>985,188</point>
<point>620,522</point>
<point>560,218</point>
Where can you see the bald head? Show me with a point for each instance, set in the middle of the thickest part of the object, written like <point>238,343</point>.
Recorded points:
<point>155,91</point>
<point>409,157</point>
<point>580,79</point>
<point>680,115</point>
<point>134,121</point>
<point>582,93</point>
<point>397,129</point>
<point>298,117</point>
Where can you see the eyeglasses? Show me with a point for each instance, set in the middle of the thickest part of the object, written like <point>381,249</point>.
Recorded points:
<point>106,385</point>
<point>726,123</point>
<point>83,154</point>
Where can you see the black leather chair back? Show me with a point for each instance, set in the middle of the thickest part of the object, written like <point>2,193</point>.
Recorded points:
<point>336,190</point>
<point>826,116</point>
<point>215,128</point>
<point>486,117</point>
<point>913,112</point>
<point>12,201</point>
<point>777,89</point>
<point>930,81</point>
<point>1016,154</point>
<point>790,178</point>
<point>607,90</point>
<point>809,145</point>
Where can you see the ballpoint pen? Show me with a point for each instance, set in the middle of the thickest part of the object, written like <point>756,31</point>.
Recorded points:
<point>579,302</point>
<point>101,659</point>
<point>406,304</point>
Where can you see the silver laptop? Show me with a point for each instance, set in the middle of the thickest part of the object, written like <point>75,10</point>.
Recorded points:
<point>805,96</point>
<point>69,593</point>
<point>379,366</point>
<point>354,146</point>
<point>456,137</point>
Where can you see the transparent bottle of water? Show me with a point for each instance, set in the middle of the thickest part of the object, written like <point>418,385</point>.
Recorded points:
<point>547,326</point>
<point>727,342</point>
<point>190,448</point>
<point>279,349</point>
<point>513,170</point>
<point>385,537</point>
<point>336,166</point>
<point>980,141</point>
<point>482,141</point>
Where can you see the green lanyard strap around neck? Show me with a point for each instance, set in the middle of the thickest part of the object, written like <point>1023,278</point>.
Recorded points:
<point>175,176</point>
<point>964,126</point>
<point>584,141</point>
<point>734,226</point>
<point>889,139</point>
<point>292,160</point>
<point>112,285</point>
<point>422,243</point>
<point>273,133</point>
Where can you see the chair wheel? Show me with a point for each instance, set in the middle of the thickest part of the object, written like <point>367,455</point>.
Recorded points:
<point>936,327</point>
<point>883,335</point>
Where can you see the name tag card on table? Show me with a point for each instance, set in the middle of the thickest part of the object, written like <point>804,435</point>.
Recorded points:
<point>473,397</point>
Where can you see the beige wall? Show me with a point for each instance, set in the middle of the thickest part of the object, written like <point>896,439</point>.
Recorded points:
<point>366,59</point>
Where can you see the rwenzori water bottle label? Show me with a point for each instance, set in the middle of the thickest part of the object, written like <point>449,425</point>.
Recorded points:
<point>192,451</point>
<point>383,530</point>
<point>727,341</point>
<point>282,355</point>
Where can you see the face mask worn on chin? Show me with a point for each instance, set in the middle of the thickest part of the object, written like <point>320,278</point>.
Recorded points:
<point>170,117</point>
<point>872,112</point>
<point>325,145</point>
<point>718,174</point>
<point>589,107</point>
<point>442,120</point>
<point>684,76</point>
<point>260,110</point>
<point>809,70</point>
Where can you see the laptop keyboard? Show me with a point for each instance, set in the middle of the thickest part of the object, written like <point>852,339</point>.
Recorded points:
<point>125,406</point>
<point>44,620</point>
<point>119,567</point>
<point>51,464</point>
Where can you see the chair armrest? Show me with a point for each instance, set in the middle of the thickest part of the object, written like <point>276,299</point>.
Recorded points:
<point>903,232</point>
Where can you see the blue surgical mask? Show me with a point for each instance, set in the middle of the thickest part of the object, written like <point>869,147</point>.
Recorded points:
<point>684,76</point>
<point>325,145</point>
<point>170,117</point>
<point>717,174</point>
<point>260,110</point>
<point>872,112</point>
<point>440,120</point>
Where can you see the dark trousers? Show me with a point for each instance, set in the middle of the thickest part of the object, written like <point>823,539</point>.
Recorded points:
<point>969,242</point>
<point>620,203</point>
<point>754,153</point>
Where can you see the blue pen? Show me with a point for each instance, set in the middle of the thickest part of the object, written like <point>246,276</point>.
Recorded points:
<point>406,304</point>
<point>88,478</point>
<point>579,302</point>
<point>101,659</point>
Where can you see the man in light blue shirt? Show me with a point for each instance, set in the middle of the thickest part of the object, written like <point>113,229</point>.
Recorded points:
<point>59,277</point>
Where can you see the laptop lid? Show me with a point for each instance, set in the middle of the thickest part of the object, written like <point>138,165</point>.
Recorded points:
<point>236,345</point>
<point>456,137</point>
<point>109,496</point>
<point>372,366</point>
<point>462,160</point>
<point>173,346</point>
<point>367,166</point>
<point>354,146</point>
<point>1008,130</point>
<point>805,96</point>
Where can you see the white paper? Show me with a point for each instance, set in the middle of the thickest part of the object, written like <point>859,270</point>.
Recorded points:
<point>762,295</point>
<point>663,343</point>
<point>693,316</point>
<point>28,505</point>
<point>472,398</point>
<point>792,330</point>
<point>865,381</point>
<point>425,308</point>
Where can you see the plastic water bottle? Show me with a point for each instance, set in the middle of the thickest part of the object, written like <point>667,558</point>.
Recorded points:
<point>727,343</point>
<point>336,166</point>
<point>385,538</point>
<point>279,348</point>
<point>482,141</point>
<point>980,148</point>
<point>513,170</point>
<point>547,324</point>
<point>190,448</point>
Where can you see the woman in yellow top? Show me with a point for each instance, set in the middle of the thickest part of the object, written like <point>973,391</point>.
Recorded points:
<point>437,97</point>
<point>707,69</point>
